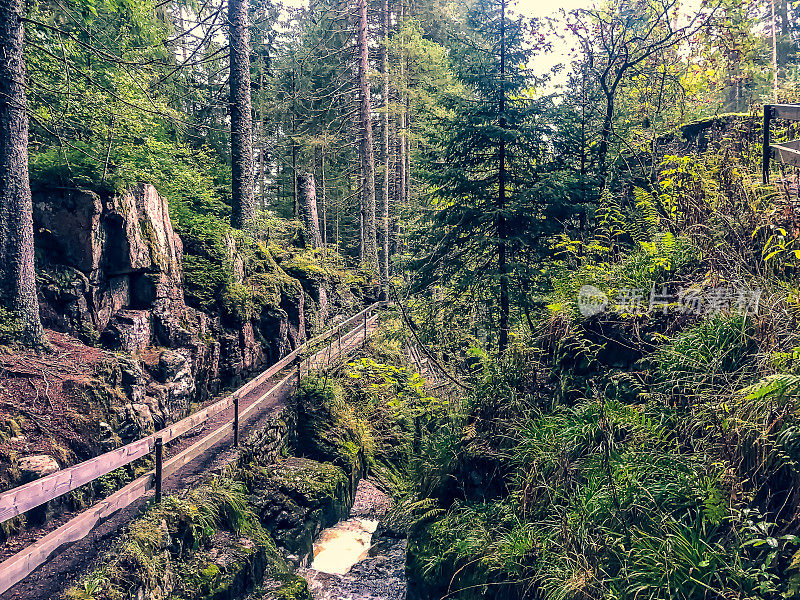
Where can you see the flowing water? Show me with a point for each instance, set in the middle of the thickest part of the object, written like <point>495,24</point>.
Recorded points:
<point>358,559</point>
<point>343,545</point>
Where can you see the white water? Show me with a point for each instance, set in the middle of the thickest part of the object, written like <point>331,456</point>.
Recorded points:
<point>343,545</point>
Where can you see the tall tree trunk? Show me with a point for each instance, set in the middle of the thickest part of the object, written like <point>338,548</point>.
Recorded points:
<point>502,342</point>
<point>308,207</point>
<point>18,285</point>
<point>243,197</point>
<point>367,151</point>
<point>362,215</point>
<point>294,147</point>
<point>262,176</point>
<point>401,134</point>
<point>384,265</point>
<point>295,205</point>
<point>324,199</point>
<point>605,137</point>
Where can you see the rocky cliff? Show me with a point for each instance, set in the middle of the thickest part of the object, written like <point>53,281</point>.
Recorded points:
<point>111,273</point>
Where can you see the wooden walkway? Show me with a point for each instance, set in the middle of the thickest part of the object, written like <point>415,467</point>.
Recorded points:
<point>186,460</point>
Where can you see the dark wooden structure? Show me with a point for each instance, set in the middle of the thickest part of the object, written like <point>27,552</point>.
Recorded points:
<point>787,152</point>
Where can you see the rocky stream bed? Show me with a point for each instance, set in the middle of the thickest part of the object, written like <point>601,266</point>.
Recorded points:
<point>359,558</point>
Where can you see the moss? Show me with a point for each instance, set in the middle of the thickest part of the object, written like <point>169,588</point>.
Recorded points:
<point>294,587</point>
<point>314,481</point>
<point>328,428</point>
<point>305,267</point>
<point>10,327</point>
<point>150,238</point>
<point>9,428</point>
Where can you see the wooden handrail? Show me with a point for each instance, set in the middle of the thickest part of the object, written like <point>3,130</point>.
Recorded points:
<point>23,498</point>
<point>24,562</point>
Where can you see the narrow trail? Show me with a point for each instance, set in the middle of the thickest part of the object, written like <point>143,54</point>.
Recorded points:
<point>70,562</point>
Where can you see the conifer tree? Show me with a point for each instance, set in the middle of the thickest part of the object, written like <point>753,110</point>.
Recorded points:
<point>17,278</point>
<point>243,197</point>
<point>488,165</point>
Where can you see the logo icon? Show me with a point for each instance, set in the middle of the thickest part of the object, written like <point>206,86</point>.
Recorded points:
<point>591,301</point>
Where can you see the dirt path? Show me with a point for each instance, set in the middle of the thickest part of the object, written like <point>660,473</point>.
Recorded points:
<point>70,562</point>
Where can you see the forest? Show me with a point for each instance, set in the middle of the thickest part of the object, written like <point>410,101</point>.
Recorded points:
<point>387,299</point>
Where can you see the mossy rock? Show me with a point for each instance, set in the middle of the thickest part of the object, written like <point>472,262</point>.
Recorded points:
<point>293,587</point>
<point>328,429</point>
<point>304,268</point>
<point>298,498</point>
<point>9,428</point>
<point>205,544</point>
<point>229,568</point>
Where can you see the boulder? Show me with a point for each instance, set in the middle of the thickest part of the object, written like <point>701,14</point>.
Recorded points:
<point>140,235</point>
<point>68,227</point>
<point>37,466</point>
<point>297,499</point>
<point>129,330</point>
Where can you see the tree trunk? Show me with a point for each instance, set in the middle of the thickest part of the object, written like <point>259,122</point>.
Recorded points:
<point>502,267</point>
<point>367,152</point>
<point>361,215</point>
<point>308,207</point>
<point>16,209</point>
<point>262,174</point>
<point>401,135</point>
<point>294,181</point>
<point>324,199</point>
<point>384,266</point>
<point>605,137</point>
<point>243,197</point>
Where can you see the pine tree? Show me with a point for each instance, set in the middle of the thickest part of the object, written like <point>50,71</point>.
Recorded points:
<point>488,165</point>
<point>384,223</point>
<point>370,258</point>
<point>243,196</point>
<point>17,278</point>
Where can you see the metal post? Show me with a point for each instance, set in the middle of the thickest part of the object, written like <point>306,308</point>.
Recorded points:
<point>236,422</point>
<point>159,466</point>
<point>765,152</point>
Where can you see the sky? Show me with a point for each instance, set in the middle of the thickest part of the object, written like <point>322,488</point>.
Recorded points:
<point>560,52</point>
<point>546,8</point>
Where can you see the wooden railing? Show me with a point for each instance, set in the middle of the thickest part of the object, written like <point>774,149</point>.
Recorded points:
<point>788,152</point>
<point>25,497</point>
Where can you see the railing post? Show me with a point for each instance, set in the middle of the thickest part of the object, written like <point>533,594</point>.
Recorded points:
<point>765,151</point>
<point>366,313</point>
<point>236,421</point>
<point>159,467</point>
<point>299,371</point>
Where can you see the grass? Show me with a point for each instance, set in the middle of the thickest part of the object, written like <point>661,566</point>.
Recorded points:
<point>630,455</point>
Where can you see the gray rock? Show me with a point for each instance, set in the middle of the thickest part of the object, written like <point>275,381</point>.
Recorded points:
<point>37,466</point>
<point>69,221</point>
<point>129,330</point>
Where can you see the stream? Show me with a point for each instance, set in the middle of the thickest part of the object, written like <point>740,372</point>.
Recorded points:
<point>359,559</point>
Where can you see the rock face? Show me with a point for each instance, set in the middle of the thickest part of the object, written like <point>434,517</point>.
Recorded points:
<point>98,258</point>
<point>111,272</point>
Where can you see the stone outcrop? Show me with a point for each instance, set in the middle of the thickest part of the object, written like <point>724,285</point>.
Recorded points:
<point>98,258</point>
<point>111,273</point>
